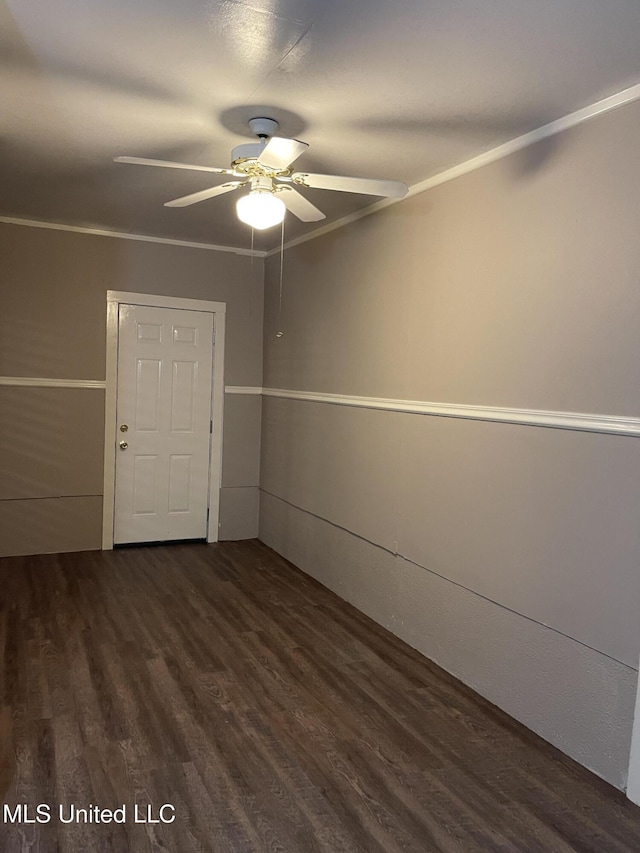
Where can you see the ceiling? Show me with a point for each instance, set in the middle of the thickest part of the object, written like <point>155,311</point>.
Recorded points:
<point>400,90</point>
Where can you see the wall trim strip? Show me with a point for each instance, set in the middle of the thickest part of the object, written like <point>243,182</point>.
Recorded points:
<point>626,96</point>
<point>611,424</point>
<point>444,577</point>
<point>253,390</point>
<point>582,422</point>
<point>144,238</point>
<point>45,382</point>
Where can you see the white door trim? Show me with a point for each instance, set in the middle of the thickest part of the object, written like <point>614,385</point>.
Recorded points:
<point>218,309</point>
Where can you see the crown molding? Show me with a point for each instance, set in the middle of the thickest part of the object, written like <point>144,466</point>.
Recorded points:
<point>144,238</point>
<point>605,105</point>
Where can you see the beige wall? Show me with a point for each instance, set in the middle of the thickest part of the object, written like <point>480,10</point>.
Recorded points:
<point>52,325</point>
<point>507,553</point>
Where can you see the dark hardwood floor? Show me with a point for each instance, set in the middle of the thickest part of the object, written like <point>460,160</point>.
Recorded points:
<point>274,717</point>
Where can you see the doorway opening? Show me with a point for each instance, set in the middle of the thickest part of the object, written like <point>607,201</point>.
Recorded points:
<point>163,419</point>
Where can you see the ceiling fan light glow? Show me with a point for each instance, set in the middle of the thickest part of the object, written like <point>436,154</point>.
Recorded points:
<point>260,209</point>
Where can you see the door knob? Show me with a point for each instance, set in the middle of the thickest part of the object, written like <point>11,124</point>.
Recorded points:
<point>123,445</point>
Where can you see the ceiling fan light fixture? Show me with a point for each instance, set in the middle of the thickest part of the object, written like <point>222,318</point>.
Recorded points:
<point>265,166</point>
<point>260,209</point>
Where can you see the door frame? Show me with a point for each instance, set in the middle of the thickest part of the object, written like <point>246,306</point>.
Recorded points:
<point>218,309</point>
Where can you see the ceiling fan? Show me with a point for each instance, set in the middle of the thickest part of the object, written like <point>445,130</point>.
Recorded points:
<point>264,167</point>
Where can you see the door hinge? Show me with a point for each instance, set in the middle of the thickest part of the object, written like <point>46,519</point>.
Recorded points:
<point>211,427</point>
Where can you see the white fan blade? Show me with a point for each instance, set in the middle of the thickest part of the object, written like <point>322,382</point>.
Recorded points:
<point>299,206</point>
<point>203,195</point>
<point>167,164</point>
<point>279,152</point>
<point>367,186</point>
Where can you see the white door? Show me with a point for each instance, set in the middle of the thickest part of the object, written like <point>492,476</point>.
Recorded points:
<point>165,359</point>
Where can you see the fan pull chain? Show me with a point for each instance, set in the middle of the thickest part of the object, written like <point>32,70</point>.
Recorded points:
<point>280,333</point>
<point>251,278</point>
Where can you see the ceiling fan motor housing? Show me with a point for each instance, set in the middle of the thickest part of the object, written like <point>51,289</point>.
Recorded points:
<point>244,157</point>
<point>248,151</point>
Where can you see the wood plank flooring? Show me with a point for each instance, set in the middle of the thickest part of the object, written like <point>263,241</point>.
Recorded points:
<point>271,715</point>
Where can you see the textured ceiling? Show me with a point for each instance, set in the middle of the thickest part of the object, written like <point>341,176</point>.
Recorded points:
<point>398,90</point>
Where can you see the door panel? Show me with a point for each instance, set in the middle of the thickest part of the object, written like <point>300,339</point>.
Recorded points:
<point>145,484</point>
<point>165,359</point>
<point>148,378</point>
<point>183,400</point>
<point>180,483</point>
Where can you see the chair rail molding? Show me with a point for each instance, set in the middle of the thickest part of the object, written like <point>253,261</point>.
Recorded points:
<point>583,422</point>
<point>47,382</point>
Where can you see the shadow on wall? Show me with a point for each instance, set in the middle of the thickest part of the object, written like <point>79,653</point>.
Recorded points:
<point>534,158</point>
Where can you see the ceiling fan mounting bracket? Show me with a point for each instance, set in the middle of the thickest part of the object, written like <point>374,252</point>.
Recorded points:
<point>263,127</point>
